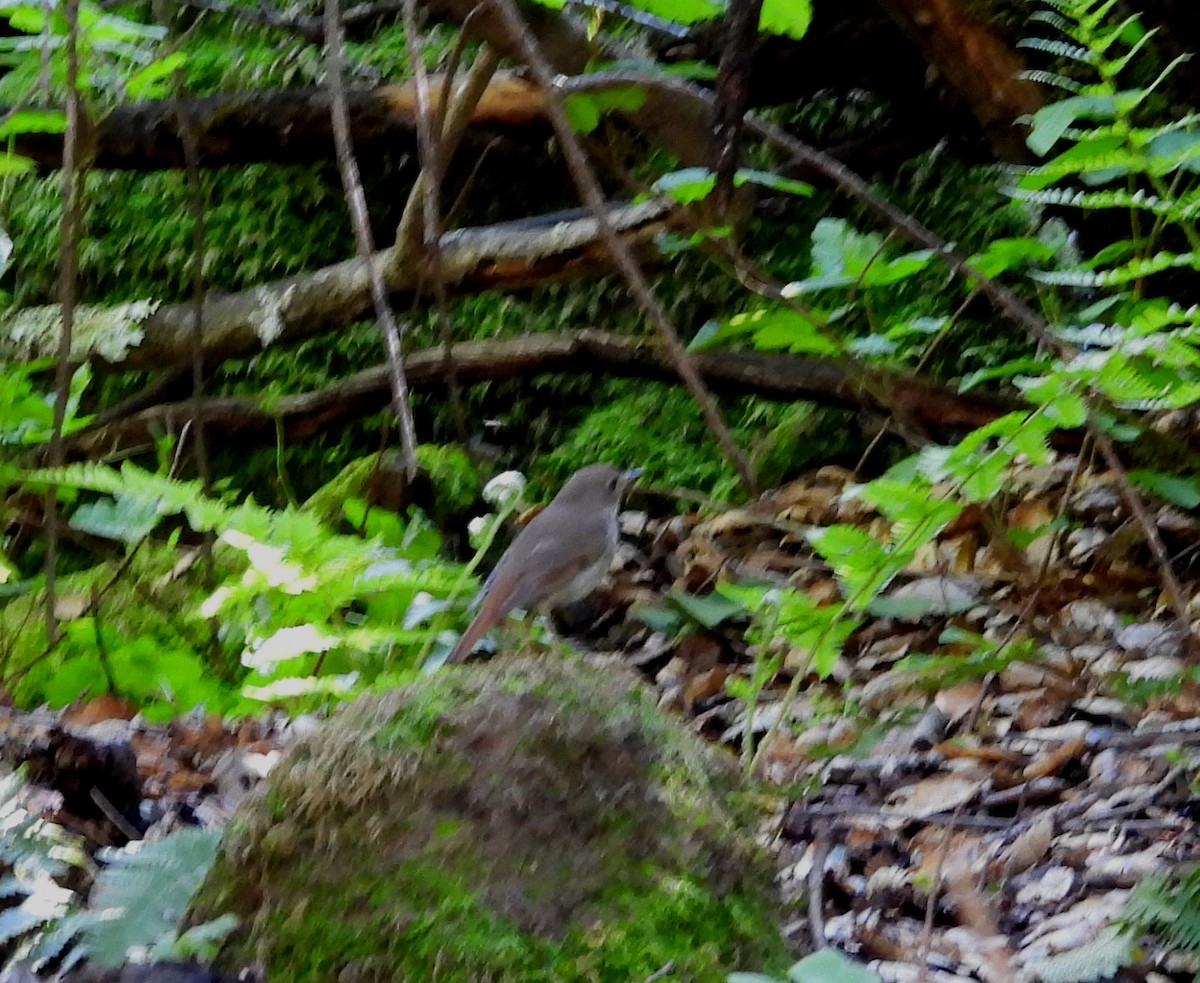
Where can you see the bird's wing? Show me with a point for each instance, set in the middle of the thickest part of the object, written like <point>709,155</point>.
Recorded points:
<point>554,554</point>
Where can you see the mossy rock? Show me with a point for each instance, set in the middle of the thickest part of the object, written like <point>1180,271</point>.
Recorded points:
<point>539,820</point>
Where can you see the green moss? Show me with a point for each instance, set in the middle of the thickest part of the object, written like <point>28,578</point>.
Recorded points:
<point>536,821</point>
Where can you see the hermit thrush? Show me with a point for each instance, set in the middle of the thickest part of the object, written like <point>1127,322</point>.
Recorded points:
<point>560,557</point>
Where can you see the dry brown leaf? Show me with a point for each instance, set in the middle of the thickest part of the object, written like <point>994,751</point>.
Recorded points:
<point>1052,761</point>
<point>938,793</point>
<point>104,707</point>
<point>705,685</point>
<point>1029,848</point>
<point>989,755</point>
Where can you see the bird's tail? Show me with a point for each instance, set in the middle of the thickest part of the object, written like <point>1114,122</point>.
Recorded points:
<point>494,606</point>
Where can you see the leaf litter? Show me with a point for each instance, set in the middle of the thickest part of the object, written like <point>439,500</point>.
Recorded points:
<point>961,817</point>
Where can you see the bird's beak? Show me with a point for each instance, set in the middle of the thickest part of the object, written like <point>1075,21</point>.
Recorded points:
<point>631,474</point>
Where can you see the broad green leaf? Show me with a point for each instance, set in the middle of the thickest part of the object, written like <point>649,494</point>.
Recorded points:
<point>583,112</point>
<point>76,677</point>
<point>658,619</point>
<point>124,519</point>
<point>830,966</point>
<point>11,164</point>
<point>27,18</point>
<point>749,175</point>
<point>33,121</point>
<point>151,81</point>
<point>839,250</point>
<point>1051,122</point>
<point>708,610</point>
<point>788,17</point>
<point>1002,255</point>
<point>872,346</point>
<point>790,330</point>
<point>1005,370</point>
<point>687,185</point>
<point>917,326</point>
<point>681,11</point>
<point>1176,489</point>
<point>584,109</point>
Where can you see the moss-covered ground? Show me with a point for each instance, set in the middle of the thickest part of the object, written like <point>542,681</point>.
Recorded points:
<point>530,820</point>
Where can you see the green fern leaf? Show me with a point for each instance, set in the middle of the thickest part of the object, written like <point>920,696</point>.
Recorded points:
<point>143,891</point>
<point>1135,269</point>
<point>1099,959</point>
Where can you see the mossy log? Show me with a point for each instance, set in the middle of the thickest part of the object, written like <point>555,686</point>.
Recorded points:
<point>537,820</point>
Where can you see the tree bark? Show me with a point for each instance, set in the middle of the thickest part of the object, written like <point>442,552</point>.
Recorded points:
<point>291,126</point>
<point>504,257</point>
<point>939,410</point>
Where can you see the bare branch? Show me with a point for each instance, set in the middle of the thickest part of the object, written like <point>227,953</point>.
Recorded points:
<point>365,241</point>
<point>589,191</point>
<point>942,410</point>
<point>68,289</point>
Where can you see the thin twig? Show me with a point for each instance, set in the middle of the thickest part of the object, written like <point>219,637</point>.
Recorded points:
<point>68,286</point>
<point>357,203</point>
<point>593,197</point>
<point>1001,297</point>
<point>733,92</point>
<point>197,206</point>
<point>439,132</point>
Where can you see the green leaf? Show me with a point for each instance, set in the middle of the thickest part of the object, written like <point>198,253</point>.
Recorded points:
<point>658,619</point>
<point>862,564</point>
<point>151,81</point>
<point>1176,489</point>
<point>681,11</point>
<point>27,18</point>
<point>708,610</point>
<point>12,164</point>
<point>830,966</point>
<point>1002,255</point>
<point>33,121</point>
<point>122,518</point>
<point>1051,122</point>
<point>1006,370</point>
<point>144,890</point>
<point>749,175</point>
<point>788,17</point>
<point>839,250</point>
<point>1058,399</point>
<point>784,328</point>
<point>583,111</point>
<point>76,677</point>
<point>687,185</point>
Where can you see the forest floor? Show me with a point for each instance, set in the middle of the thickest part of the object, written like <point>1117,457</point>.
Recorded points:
<point>1006,748</point>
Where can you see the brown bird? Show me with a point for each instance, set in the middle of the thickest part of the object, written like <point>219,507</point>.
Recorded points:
<point>560,557</point>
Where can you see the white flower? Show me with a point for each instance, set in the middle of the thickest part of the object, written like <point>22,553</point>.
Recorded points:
<point>505,490</point>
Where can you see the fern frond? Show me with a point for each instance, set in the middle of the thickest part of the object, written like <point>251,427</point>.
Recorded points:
<point>1101,958</point>
<point>1058,49</point>
<point>1119,64</point>
<point>143,890</point>
<point>1091,15</point>
<point>1054,19</point>
<point>1168,907</point>
<point>1096,200</point>
<point>33,848</point>
<point>1135,269</point>
<point>1050,79</point>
